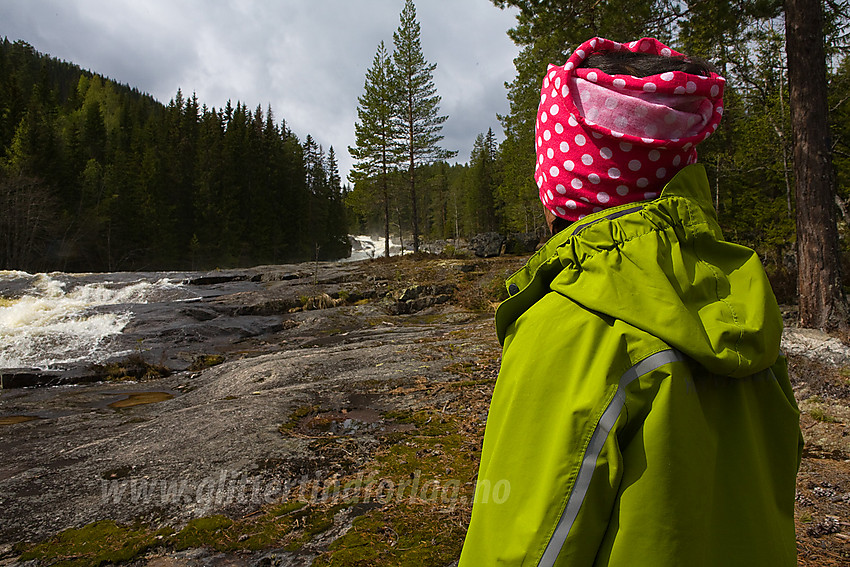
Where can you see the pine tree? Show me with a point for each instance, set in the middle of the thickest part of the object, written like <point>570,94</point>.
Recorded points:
<point>418,113</point>
<point>822,301</point>
<point>375,153</point>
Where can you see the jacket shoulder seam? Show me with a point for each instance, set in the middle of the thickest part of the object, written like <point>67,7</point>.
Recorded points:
<point>691,221</point>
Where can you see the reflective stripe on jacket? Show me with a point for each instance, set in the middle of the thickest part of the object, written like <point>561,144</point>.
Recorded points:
<point>643,414</point>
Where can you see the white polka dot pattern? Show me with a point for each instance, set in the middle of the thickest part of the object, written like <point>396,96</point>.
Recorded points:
<point>606,140</point>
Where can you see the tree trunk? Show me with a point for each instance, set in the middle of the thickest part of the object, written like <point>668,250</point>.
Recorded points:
<point>782,140</point>
<point>386,219</point>
<point>386,195</point>
<point>413,211</point>
<point>821,298</point>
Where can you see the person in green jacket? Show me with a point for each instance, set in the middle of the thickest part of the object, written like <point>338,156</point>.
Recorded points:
<point>643,413</point>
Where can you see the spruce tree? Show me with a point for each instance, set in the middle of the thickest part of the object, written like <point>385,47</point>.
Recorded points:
<point>336,232</point>
<point>97,176</point>
<point>375,152</point>
<point>482,163</point>
<point>418,116</point>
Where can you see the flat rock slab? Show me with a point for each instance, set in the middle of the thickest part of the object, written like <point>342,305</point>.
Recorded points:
<point>208,442</point>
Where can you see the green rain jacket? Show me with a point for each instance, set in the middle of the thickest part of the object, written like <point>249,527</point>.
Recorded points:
<point>643,413</point>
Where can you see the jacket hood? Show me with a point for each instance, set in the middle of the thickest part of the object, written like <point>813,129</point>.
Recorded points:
<point>661,266</point>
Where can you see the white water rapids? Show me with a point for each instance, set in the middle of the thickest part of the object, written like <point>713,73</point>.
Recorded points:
<point>48,321</point>
<point>52,322</point>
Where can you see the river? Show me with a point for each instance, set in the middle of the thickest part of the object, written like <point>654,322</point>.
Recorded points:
<point>58,321</point>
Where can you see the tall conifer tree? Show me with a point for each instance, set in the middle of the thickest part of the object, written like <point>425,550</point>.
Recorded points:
<point>418,114</point>
<point>375,153</point>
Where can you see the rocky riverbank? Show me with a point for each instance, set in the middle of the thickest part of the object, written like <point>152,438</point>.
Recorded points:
<point>324,414</point>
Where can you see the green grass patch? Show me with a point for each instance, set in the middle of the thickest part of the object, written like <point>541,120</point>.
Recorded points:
<point>429,423</point>
<point>105,542</point>
<point>461,368</point>
<point>471,383</point>
<point>425,477</point>
<point>133,368</point>
<point>212,531</point>
<point>260,532</point>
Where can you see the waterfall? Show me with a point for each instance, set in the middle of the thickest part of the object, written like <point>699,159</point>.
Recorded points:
<point>366,247</point>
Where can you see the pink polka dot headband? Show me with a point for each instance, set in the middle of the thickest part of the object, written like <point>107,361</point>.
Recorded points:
<point>606,140</point>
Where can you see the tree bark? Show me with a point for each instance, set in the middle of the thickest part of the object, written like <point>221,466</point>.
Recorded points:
<point>412,141</point>
<point>822,302</point>
<point>386,195</point>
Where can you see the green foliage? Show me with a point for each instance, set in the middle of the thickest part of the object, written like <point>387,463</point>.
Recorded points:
<point>484,178</point>
<point>749,159</point>
<point>839,106</point>
<point>97,176</point>
<point>819,414</point>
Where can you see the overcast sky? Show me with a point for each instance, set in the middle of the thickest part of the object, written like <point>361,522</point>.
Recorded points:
<point>307,58</point>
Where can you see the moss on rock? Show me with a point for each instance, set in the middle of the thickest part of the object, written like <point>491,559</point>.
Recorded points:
<point>93,545</point>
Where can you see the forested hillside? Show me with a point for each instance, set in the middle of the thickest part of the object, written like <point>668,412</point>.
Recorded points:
<point>95,175</point>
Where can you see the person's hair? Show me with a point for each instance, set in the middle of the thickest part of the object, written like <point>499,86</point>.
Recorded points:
<point>645,64</point>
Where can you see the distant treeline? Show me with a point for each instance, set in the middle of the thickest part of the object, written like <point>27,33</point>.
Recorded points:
<point>95,175</point>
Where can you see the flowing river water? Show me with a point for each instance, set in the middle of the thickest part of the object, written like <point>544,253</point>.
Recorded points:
<point>58,321</point>
<point>50,321</point>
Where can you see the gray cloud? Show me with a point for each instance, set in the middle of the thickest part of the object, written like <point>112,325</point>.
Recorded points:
<point>307,60</point>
